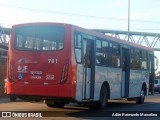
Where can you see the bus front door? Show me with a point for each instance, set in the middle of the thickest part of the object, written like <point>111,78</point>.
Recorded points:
<point>88,69</point>
<point>125,72</point>
<point>151,73</point>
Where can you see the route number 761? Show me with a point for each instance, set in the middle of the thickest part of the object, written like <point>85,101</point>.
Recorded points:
<point>52,61</point>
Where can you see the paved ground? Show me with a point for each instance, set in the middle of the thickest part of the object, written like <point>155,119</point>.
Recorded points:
<point>73,111</point>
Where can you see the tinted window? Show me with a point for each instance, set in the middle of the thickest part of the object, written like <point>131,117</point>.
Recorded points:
<point>77,47</point>
<point>114,55</point>
<point>135,59</point>
<point>144,60</point>
<point>102,52</point>
<point>39,38</point>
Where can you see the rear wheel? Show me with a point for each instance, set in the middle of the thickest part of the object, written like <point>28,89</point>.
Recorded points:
<point>140,100</point>
<point>12,97</point>
<point>103,99</point>
<point>56,104</point>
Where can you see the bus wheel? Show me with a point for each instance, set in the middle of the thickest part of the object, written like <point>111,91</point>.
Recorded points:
<point>56,104</point>
<point>12,97</point>
<point>140,100</point>
<point>102,103</point>
<point>37,100</point>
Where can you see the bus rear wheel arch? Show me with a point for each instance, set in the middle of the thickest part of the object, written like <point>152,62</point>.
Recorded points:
<point>101,104</point>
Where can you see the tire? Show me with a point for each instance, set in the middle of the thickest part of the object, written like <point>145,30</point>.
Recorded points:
<point>55,104</point>
<point>103,99</point>
<point>50,105</point>
<point>140,100</point>
<point>37,100</point>
<point>12,98</point>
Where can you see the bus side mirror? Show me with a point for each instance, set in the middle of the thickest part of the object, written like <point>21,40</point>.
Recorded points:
<point>156,63</point>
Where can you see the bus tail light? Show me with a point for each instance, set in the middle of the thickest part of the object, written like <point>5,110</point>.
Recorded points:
<point>11,73</point>
<point>65,73</point>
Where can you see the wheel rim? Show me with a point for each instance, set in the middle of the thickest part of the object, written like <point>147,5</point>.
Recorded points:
<point>142,94</point>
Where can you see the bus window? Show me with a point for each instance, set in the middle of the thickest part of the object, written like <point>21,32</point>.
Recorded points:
<point>19,41</point>
<point>39,38</point>
<point>37,44</point>
<point>115,55</point>
<point>99,54</point>
<point>143,60</point>
<point>105,52</point>
<point>110,53</point>
<point>135,59</point>
<point>78,46</point>
<point>102,52</point>
<point>47,45</point>
<point>29,42</point>
<point>87,53</point>
<point>132,59</point>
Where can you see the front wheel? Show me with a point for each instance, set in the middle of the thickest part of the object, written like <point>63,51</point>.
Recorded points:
<point>140,100</point>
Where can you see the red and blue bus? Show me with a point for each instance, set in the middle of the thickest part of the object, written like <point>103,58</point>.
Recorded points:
<point>62,63</point>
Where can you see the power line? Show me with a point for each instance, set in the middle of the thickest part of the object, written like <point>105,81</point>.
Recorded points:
<point>72,14</point>
<point>55,12</point>
<point>80,15</point>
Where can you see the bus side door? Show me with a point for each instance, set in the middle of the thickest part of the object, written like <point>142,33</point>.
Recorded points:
<point>125,71</point>
<point>89,68</point>
<point>151,73</point>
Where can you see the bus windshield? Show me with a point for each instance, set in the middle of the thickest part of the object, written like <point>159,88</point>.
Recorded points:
<point>39,38</point>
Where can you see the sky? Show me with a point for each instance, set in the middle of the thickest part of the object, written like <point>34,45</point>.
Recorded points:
<point>94,14</point>
<point>109,14</point>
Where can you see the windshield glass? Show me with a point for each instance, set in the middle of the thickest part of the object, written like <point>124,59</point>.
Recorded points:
<point>39,38</point>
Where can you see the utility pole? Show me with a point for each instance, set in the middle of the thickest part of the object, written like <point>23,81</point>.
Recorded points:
<point>128,19</point>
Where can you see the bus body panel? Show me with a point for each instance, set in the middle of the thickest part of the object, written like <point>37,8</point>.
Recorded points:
<point>40,72</point>
<point>137,78</point>
<point>102,74</point>
<point>79,83</point>
<point>40,90</point>
<point>110,75</point>
<point>37,69</point>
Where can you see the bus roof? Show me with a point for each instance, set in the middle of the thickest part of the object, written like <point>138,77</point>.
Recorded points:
<point>88,31</point>
<point>110,38</point>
